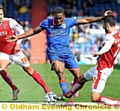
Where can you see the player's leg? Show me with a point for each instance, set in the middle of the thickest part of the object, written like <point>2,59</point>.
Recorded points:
<point>76,73</point>
<point>98,86</point>
<point>4,62</point>
<point>108,101</point>
<point>72,64</point>
<point>37,77</point>
<point>79,84</point>
<point>76,87</point>
<point>22,60</point>
<point>58,67</point>
<point>87,76</point>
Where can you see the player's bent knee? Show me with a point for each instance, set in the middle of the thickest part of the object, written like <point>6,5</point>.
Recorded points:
<point>94,97</point>
<point>81,79</point>
<point>94,100</point>
<point>29,70</point>
<point>2,71</point>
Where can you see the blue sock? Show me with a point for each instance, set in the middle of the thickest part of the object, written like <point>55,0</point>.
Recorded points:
<point>64,86</point>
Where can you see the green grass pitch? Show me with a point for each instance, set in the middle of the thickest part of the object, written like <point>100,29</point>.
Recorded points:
<point>30,91</point>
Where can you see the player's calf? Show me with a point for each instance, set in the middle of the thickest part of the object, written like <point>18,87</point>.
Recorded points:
<point>77,93</point>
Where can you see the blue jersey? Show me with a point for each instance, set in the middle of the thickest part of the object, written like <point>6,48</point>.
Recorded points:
<point>58,36</point>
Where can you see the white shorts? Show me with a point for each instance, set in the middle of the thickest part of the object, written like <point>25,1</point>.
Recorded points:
<point>17,58</point>
<point>98,78</point>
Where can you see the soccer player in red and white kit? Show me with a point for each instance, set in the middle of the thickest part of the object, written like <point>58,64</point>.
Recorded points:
<point>100,73</point>
<point>11,51</point>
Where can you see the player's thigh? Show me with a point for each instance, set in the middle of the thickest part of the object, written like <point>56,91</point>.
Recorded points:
<point>76,72</point>
<point>20,59</point>
<point>99,81</point>
<point>72,64</point>
<point>58,66</point>
<point>56,62</point>
<point>4,60</point>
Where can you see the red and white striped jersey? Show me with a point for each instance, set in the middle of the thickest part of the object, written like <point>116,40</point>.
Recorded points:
<point>112,47</point>
<point>9,27</point>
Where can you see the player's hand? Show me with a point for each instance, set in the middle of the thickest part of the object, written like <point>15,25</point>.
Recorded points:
<point>17,48</point>
<point>94,54</point>
<point>108,12</point>
<point>12,38</point>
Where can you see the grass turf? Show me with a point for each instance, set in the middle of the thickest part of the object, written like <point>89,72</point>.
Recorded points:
<point>30,91</point>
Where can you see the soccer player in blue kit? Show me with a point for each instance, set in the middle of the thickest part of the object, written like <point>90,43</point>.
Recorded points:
<point>58,50</point>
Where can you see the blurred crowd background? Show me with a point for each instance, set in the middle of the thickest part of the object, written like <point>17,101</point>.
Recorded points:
<point>86,38</point>
<point>83,38</point>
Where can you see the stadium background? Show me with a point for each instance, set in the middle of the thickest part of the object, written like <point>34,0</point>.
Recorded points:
<point>83,39</point>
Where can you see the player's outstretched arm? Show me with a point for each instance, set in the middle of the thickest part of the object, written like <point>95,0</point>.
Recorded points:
<point>25,35</point>
<point>106,47</point>
<point>93,19</point>
<point>89,20</point>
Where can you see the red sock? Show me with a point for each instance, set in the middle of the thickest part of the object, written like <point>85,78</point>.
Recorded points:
<point>77,86</point>
<point>40,81</point>
<point>8,79</point>
<point>108,101</point>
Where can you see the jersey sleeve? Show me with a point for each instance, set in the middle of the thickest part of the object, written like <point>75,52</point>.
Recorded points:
<point>72,22</point>
<point>17,28</point>
<point>108,44</point>
<point>43,25</point>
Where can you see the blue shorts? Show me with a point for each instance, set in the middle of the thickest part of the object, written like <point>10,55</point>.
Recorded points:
<point>68,60</point>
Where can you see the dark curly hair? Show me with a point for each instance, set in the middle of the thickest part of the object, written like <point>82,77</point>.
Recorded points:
<point>109,19</point>
<point>58,10</point>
